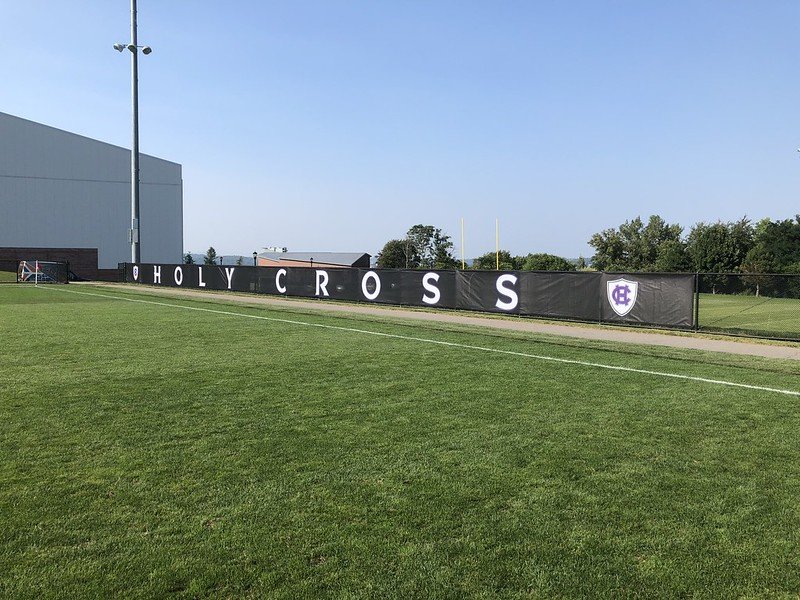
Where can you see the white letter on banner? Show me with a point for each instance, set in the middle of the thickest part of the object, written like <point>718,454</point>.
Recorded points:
<point>278,275</point>
<point>156,274</point>
<point>202,283</point>
<point>229,272</point>
<point>178,276</point>
<point>322,281</point>
<point>371,275</point>
<point>429,287</point>
<point>513,299</point>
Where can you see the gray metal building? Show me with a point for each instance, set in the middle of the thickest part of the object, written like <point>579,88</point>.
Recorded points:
<point>63,191</point>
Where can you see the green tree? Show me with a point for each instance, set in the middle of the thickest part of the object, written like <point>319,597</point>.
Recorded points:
<point>635,246</point>
<point>776,248</point>
<point>398,254</point>
<point>239,261</point>
<point>488,261</point>
<point>421,236</point>
<point>188,259</point>
<point>434,248</point>
<point>671,257</point>
<point>719,247</point>
<point>609,250</point>
<point>647,243</point>
<point>211,256</point>
<point>546,262</point>
<point>443,251</point>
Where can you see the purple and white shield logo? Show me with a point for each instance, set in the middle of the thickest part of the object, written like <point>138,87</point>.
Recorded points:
<point>622,295</point>
<point>135,272</point>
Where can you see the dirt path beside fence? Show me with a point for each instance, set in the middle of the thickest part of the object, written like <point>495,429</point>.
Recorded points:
<point>590,332</point>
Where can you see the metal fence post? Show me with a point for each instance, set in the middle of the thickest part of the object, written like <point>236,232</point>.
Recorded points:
<point>697,301</point>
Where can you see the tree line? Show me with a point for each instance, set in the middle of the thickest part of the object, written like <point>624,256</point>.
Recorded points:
<point>741,246</point>
<point>209,258</point>
<point>427,247</point>
<point>735,247</point>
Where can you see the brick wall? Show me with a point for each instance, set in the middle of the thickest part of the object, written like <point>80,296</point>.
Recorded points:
<point>82,261</point>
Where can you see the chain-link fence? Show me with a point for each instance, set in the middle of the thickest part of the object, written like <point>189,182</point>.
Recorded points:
<point>753,304</point>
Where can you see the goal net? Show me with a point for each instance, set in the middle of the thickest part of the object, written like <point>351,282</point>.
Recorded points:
<point>38,271</point>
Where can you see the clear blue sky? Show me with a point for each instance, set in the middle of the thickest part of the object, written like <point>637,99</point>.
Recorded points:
<point>336,125</point>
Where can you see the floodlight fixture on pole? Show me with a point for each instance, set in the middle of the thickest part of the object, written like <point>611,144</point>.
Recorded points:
<point>133,232</point>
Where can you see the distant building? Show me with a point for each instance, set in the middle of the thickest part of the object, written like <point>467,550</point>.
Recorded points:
<point>314,259</point>
<point>65,197</point>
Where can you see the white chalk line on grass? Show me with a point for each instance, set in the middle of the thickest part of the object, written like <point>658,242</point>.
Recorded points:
<point>554,359</point>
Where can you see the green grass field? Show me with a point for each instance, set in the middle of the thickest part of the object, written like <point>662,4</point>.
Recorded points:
<point>759,315</point>
<point>189,449</point>
<point>8,276</point>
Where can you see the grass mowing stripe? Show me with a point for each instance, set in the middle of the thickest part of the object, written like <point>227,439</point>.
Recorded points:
<point>448,344</point>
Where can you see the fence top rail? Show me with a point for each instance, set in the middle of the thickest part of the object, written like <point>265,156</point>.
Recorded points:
<point>752,274</point>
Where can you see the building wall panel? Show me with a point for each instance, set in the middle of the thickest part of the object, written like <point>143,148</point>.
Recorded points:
<point>62,190</point>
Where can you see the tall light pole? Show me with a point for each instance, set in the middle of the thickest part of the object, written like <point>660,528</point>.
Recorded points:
<point>133,232</point>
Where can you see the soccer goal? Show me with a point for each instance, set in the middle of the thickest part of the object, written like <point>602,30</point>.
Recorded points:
<point>39,271</point>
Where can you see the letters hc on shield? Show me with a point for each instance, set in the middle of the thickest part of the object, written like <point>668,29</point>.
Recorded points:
<point>621,295</point>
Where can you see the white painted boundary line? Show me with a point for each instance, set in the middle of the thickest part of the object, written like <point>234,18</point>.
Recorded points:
<point>443,343</point>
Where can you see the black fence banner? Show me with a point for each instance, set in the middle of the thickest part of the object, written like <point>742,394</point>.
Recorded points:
<point>562,295</point>
<point>661,299</point>
<point>652,299</point>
